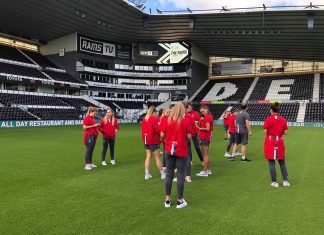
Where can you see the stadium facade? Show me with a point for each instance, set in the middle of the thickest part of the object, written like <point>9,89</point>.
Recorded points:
<point>57,58</point>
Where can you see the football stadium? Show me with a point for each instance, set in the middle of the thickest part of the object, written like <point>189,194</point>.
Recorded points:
<point>120,118</point>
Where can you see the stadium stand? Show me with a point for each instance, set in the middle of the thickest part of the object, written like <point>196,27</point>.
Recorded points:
<point>20,99</point>
<point>216,109</point>
<point>76,102</point>
<point>129,104</point>
<point>241,87</point>
<point>299,86</point>
<point>13,69</point>
<point>57,114</point>
<point>321,88</point>
<point>14,113</point>
<point>39,59</point>
<point>314,112</point>
<point>11,53</point>
<point>62,76</point>
<point>259,112</point>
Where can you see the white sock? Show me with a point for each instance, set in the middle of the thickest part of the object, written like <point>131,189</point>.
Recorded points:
<point>147,172</point>
<point>243,157</point>
<point>164,168</point>
<point>162,172</point>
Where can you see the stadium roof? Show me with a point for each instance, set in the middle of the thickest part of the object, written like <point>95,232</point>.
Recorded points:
<point>269,34</point>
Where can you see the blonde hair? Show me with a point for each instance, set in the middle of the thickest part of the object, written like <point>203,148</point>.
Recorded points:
<point>92,110</point>
<point>112,119</point>
<point>150,112</point>
<point>177,114</point>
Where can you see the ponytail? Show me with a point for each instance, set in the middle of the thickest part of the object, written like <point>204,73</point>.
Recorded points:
<point>91,110</point>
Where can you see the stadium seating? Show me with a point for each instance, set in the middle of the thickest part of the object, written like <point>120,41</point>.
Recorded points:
<point>39,59</point>
<point>13,113</point>
<point>216,109</point>
<point>129,104</point>
<point>10,99</point>
<point>62,76</point>
<point>314,112</point>
<point>76,102</point>
<point>21,70</point>
<point>57,114</point>
<point>301,88</point>
<point>241,87</point>
<point>321,88</point>
<point>11,53</point>
<point>259,112</point>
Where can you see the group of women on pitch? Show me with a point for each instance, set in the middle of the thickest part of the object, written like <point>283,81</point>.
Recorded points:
<point>175,129</point>
<point>108,126</point>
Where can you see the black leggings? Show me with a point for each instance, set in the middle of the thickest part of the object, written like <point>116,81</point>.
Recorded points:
<point>164,155</point>
<point>273,172</point>
<point>195,141</point>
<point>90,145</point>
<point>172,163</point>
<point>111,143</point>
<point>189,160</point>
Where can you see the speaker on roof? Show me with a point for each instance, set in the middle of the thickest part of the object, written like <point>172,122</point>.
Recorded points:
<point>191,23</point>
<point>145,23</point>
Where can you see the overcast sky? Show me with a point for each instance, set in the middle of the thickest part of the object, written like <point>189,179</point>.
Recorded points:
<point>212,4</point>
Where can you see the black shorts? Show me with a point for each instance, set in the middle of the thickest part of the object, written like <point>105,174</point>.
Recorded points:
<point>225,128</point>
<point>204,142</point>
<point>152,147</point>
<point>232,138</point>
<point>241,138</point>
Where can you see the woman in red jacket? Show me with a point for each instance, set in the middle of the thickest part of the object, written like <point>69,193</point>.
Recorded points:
<point>90,128</point>
<point>226,116</point>
<point>177,133</point>
<point>163,120</point>
<point>151,140</point>
<point>108,127</point>
<point>206,127</point>
<point>275,127</point>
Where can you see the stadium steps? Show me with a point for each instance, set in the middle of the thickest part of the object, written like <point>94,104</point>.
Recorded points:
<point>198,91</point>
<point>95,102</point>
<point>316,91</point>
<point>301,112</point>
<point>27,57</point>
<point>248,94</point>
<point>31,114</point>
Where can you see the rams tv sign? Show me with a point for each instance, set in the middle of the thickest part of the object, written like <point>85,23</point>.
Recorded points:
<point>100,47</point>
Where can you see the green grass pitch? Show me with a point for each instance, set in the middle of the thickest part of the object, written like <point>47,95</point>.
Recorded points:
<point>44,189</point>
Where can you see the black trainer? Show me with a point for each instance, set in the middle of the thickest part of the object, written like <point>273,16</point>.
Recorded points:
<point>232,159</point>
<point>245,160</point>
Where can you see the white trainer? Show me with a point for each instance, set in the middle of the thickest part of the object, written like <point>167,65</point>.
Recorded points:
<point>285,183</point>
<point>227,155</point>
<point>238,154</point>
<point>202,174</point>
<point>209,172</point>
<point>88,168</point>
<point>93,166</point>
<point>163,175</point>
<point>147,176</point>
<point>167,204</point>
<point>275,184</point>
<point>188,179</point>
<point>104,163</point>
<point>175,179</point>
<point>181,204</point>
<point>113,162</point>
